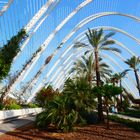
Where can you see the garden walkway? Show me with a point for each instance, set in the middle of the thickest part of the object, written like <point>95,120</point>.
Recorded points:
<point>12,125</point>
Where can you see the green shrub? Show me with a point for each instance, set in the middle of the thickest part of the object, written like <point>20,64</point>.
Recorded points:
<point>43,120</point>
<point>90,117</point>
<point>1,106</point>
<point>12,106</point>
<point>64,111</point>
<point>31,105</point>
<point>132,113</point>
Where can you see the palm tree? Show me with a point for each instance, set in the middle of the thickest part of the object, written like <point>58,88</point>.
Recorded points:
<point>86,66</point>
<point>134,64</point>
<point>117,78</point>
<point>98,42</point>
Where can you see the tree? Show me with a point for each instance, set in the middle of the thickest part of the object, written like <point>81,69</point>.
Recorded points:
<point>98,42</point>
<point>134,64</point>
<point>107,91</point>
<point>45,95</point>
<point>86,66</point>
<point>117,78</point>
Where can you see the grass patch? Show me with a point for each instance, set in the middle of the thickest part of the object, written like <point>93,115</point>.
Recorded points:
<point>127,122</point>
<point>131,113</point>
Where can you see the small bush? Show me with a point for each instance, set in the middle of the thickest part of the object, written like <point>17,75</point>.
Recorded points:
<point>90,117</point>
<point>31,105</point>
<point>1,106</point>
<point>132,113</point>
<point>12,106</point>
<point>43,120</point>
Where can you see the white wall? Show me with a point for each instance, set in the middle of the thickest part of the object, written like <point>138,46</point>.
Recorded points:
<point>7,114</point>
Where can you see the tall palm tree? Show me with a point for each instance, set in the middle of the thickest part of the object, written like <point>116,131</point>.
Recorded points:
<point>134,64</point>
<point>98,42</point>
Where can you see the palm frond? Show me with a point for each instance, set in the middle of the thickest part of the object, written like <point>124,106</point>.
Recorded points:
<point>100,33</point>
<point>123,73</point>
<point>111,49</point>
<point>133,62</point>
<point>109,35</point>
<point>86,52</point>
<point>108,42</point>
<point>79,44</point>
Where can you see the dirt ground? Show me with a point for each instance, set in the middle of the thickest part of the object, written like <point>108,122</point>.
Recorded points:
<point>90,132</point>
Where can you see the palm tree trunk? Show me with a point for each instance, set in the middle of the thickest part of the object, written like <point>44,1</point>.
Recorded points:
<point>137,80</point>
<point>100,107</point>
<point>107,111</point>
<point>121,95</point>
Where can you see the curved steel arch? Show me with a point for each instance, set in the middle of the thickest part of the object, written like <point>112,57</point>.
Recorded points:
<point>85,21</point>
<point>38,15</point>
<point>27,67</point>
<point>33,21</point>
<point>116,29</point>
<point>118,43</point>
<point>112,60</point>
<point>41,49</point>
<point>69,47</point>
<point>51,80</point>
<point>105,28</point>
<point>77,27</point>
<point>109,65</point>
<point>113,70</point>
<point>5,7</point>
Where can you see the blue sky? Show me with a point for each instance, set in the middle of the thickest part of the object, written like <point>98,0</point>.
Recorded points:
<point>21,11</point>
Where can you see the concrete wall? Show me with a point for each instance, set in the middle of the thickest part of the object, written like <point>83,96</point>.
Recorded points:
<point>8,114</point>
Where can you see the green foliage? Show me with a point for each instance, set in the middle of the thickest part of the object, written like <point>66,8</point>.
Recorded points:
<point>80,92</point>
<point>1,106</point>
<point>125,105</point>
<point>107,91</point>
<point>59,113</point>
<point>132,113</point>
<point>9,51</point>
<point>129,123</point>
<point>65,110</point>
<point>45,96</point>
<point>43,120</point>
<point>12,106</point>
<point>90,117</point>
<point>133,62</point>
<point>32,105</point>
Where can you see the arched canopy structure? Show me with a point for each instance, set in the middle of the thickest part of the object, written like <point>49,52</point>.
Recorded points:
<point>53,27</point>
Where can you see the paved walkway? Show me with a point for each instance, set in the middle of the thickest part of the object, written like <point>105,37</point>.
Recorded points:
<point>12,125</point>
<point>126,117</point>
